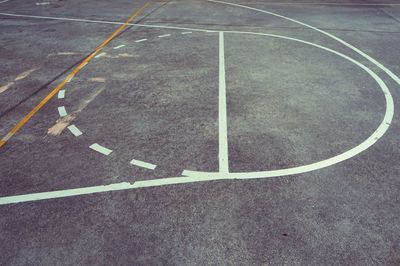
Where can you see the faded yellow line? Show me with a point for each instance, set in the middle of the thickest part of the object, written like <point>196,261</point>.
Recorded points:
<point>21,123</point>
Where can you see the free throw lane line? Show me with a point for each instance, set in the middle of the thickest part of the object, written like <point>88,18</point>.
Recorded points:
<point>21,123</point>
<point>222,115</point>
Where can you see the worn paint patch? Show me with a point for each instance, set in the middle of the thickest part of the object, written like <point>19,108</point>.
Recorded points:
<point>125,55</point>
<point>6,87</point>
<point>98,79</point>
<point>61,124</point>
<point>25,74</point>
<point>62,53</point>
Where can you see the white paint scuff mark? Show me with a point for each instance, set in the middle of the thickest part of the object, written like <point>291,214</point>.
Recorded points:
<point>25,74</point>
<point>6,87</point>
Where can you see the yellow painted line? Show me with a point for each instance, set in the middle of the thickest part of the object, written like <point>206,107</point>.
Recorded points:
<point>21,123</point>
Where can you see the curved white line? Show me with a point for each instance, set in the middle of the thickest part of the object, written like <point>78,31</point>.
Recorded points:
<point>372,60</point>
<point>379,132</point>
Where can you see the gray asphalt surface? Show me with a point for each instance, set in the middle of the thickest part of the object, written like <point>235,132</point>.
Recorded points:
<point>288,104</point>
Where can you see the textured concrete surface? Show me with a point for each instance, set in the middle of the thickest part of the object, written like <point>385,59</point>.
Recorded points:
<point>288,104</point>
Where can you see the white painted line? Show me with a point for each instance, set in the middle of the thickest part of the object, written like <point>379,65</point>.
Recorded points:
<point>165,35</point>
<point>4,1</point>
<point>74,130</point>
<point>222,115</point>
<point>61,111</point>
<point>61,94</point>
<point>186,32</point>
<point>372,60</point>
<point>100,22</point>
<point>100,55</point>
<point>119,46</point>
<point>371,140</point>
<point>101,149</point>
<point>43,3</point>
<point>143,164</point>
<point>141,40</point>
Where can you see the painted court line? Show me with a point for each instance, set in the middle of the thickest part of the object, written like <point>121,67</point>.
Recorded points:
<point>222,114</point>
<point>100,55</point>
<point>141,40</point>
<point>49,96</point>
<point>119,46</point>
<point>372,60</point>
<point>61,94</point>
<point>101,149</point>
<point>143,164</point>
<point>100,22</point>
<point>61,111</point>
<point>74,130</point>
<point>186,32</point>
<point>165,35</point>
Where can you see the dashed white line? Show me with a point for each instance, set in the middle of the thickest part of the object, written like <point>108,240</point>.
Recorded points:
<point>119,46</point>
<point>61,94</point>
<point>143,164</point>
<point>141,40</point>
<point>74,130</point>
<point>186,32</point>
<point>61,111</point>
<point>100,149</point>
<point>100,55</point>
<point>165,35</point>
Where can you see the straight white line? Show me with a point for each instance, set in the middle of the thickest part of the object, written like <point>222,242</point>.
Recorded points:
<point>119,46</point>
<point>61,111</point>
<point>100,22</point>
<point>165,35</point>
<point>186,32</point>
<point>141,40</point>
<point>61,94</point>
<point>74,130</point>
<point>99,189</point>
<point>143,164</point>
<point>222,115</point>
<point>101,149</point>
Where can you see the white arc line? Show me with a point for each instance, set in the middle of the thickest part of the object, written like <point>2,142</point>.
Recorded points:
<point>222,115</point>
<point>143,164</point>
<point>61,111</point>
<point>100,149</point>
<point>372,60</point>
<point>141,40</point>
<point>61,94</point>
<point>74,130</point>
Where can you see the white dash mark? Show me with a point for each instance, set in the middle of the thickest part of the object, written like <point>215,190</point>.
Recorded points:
<point>165,35</point>
<point>143,164</point>
<point>61,111</point>
<point>61,94</point>
<point>100,55</point>
<point>141,40</point>
<point>74,130</point>
<point>101,149</point>
<point>186,32</point>
<point>119,46</point>
<point>43,3</point>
